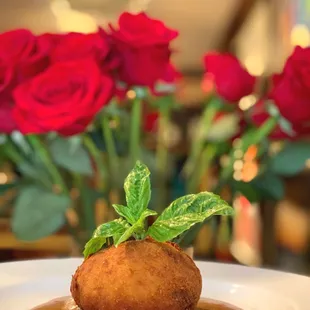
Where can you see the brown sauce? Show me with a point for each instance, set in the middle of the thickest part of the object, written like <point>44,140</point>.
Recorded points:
<point>67,303</point>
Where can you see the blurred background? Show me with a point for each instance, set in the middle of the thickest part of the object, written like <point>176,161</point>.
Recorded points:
<point>261,33</point>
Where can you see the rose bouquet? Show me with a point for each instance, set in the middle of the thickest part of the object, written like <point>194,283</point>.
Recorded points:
<point>266,110</point>
<point>72,114</point>
<point>255,130</point>
<point>75,111</point>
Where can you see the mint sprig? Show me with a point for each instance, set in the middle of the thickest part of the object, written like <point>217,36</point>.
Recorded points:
<point>182,214</point>
<point>185,212</point>
<point>114,229</point>
<point>137,188</point>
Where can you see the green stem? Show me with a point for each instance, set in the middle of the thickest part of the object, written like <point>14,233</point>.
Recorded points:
<point>247,140</point>
<point>55,174</point>
<point>93,151</point>
<point>12,151</point>
<point>88,214</point>
<point>110,145</point>
<point>267,127</point>
<point>162,151</point>
<point>135,130</point>
<point>162,156</point>
<point>48,162</point>
<point>205,124</point>
<point>207,157</point>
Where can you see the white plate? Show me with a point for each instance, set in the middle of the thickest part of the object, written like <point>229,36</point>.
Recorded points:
<point>24,285</point>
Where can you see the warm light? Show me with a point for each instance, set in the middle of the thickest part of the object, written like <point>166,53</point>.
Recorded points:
<point>3,178</point>
<point>69,20</point>
<point>131,94</point>
<point>238,164</point>
<point>137,6</point>
<point>255,65</point>
<point>275,147</point>
<point>171,135</point>
<point>251,153</point>
<point>207,84</point>
<point>247,102</point>
<point>57,189</point>
<point>300,36</point>
<point>238,175</point>
<point>250,171</point>
<point>113,123</point>
<point>237,143</point>
<point>72,217</point>
<point>308,163</point>
<point>238,153</point>
<point>74,193</point>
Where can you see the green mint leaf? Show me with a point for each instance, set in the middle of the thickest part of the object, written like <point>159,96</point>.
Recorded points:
<point>138,190</point>
<point>111,229</point>
<point>185,212</point>
<point>125,213</point>
<point>137,229</point>
<point>93,245</point>
<point>146,213</point>
<point>128,233</point>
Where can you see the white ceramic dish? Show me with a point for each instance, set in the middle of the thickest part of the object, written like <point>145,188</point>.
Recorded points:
<point>24,285</point>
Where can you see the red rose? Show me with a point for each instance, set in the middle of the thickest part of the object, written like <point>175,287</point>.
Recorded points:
<point>143,44</point>
<point>291,89</point>
<point>64,98</point>
<point>231,80</point>
<point>24,51</point>
<point>259,115</point>
<point>167,83</point>
<point>7,82</point>
<point>150,122</point>
<point>7,123</point>
<point>171,74</point>
<point>75,46</point>
<point>52,39</point>
<point>290,92</point>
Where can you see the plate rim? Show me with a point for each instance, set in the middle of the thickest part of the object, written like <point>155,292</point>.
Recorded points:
<point>239,275</point>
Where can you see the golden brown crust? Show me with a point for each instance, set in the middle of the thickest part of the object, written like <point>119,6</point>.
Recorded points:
<point>138,275</point>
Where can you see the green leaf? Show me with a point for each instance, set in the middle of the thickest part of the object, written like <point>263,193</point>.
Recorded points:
<point>164,102</point>
<point>138,190</point>
<point>36,171</point>
<point>113,229</point>
<point>94,245</point>
<point>124,212</point>
<point>71,155</point>
<point>113,109</point>
<point>20,140</point>
<point>166,88</point>
<point>127,234</point>
<point>246,189</point>
<point>270,186</point>
<point>137,228</point>
<point>38,213</point>
<point>272,109</point>
<point>141,92</point>
<point>286,126</point>
<point>109,229</point>
<point>3,139</point>
<point>291,160</point>
<point>186,211</point>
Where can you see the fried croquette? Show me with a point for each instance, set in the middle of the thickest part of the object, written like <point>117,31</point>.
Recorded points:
<point>138,275</point>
